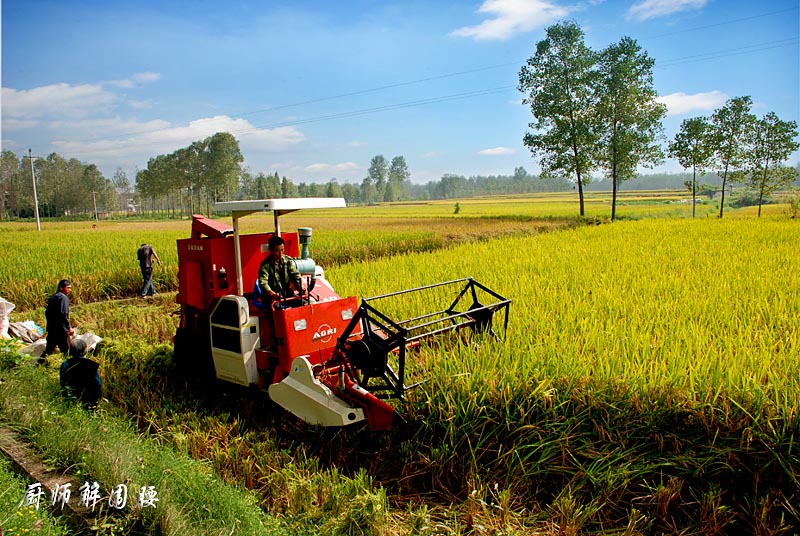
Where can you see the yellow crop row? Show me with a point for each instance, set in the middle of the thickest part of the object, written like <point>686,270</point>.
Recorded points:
<point>689,305</point>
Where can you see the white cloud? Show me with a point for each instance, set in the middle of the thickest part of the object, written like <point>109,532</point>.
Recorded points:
<point>511,17</point>
<point>651,9</point>
<point>74,101</point>
<point>316,168</point>
<point>681,103</point>
<point>347,166</point>
<point>136,80</point>
<point>18,124</point>
<point>160,137</point>
<point>356,143</point>
<point>140,104</point>
<point>323,167</point>
<point>497,151</point>
<point>146,78</point>
<point>60,99</point>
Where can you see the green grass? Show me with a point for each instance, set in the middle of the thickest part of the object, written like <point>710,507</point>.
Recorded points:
<point>16,519</point>
<point>103,447</point>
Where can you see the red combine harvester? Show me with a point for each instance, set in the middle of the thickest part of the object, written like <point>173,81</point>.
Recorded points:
<point>322,357</point>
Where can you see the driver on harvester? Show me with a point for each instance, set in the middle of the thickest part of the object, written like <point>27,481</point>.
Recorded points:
<point>277,273</point>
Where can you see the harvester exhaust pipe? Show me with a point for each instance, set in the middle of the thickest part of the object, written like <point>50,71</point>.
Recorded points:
<point>305,264</point>
<point>304,236</point>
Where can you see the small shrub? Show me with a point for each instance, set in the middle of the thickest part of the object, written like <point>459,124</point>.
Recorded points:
<point>748,198</point>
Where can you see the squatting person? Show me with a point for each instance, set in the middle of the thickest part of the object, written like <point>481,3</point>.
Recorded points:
<point>79,376</point>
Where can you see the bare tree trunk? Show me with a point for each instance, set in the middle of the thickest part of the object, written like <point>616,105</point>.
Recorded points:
<point>614,197</point>
<point>724,183</point>
<point>694,190</point>
<point>761,189</point>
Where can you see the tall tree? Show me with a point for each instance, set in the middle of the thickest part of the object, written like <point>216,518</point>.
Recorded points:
<point>15,191</point>
<point>223,164</point>
<point>273,186</point>
<point>288,189</point>
<point>333,189</point>
<point>378,171</point>
<point>558,82</point>
<point>520,174</point>
<point>693,149</point>
<point>123,187</point>
<point>368,192</point>
<point>351,193</point>
<point>771,142</point>
<point>188,171</point>
<point>399,179</point>
<point>389,194</point>
<point>731,124</point>
<point>628,112</point>
<point>247,185</point>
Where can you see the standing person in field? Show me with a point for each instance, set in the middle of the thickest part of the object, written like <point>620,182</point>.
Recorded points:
<point>59,329</point>
<point>146,254</point>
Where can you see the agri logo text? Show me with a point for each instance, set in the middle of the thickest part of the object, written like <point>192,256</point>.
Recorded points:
<point>324,333</point>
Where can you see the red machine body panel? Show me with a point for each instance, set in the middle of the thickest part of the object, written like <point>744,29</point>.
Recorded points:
<point>311,330</point>
<point>207,266</point>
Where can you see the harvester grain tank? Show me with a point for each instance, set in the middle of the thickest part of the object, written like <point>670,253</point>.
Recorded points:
<point>325,358</point>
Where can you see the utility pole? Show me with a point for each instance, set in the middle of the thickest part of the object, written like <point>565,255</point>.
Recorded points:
<point>35,198</point>
<point>94,200</point>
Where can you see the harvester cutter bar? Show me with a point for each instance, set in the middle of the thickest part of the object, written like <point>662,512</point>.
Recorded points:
<point>383,335</point>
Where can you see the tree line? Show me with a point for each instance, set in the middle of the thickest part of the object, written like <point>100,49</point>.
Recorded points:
<point>63,190</point>
<point>598,110</point>
<point>743,149</point>
<point>192,178</point>
<point>64,187</point>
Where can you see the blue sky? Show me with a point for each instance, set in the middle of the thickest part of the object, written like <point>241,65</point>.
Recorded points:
<point>315,89</point>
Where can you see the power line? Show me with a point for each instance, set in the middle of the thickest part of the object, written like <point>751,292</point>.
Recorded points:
<point>730,52</point>
<point>321,99</point>
<point>465,95</point>
<point>352,113</point>
<point>725,23</point>
<point>388,107</point>
<point>428,79</point>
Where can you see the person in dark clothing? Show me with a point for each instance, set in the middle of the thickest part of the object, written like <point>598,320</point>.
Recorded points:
<point>59,329</point>
<point>79,376</point>
<point>146,254</point>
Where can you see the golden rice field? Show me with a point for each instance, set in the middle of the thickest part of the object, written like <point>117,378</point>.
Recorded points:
<point>649,381</point>
<point>702,307</point>
<point>102,263</point>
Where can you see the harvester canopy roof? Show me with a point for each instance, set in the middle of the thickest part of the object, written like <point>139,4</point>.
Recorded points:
<point>279,206</point>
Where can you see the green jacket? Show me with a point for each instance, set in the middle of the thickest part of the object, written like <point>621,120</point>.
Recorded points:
<point>277,277</point>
